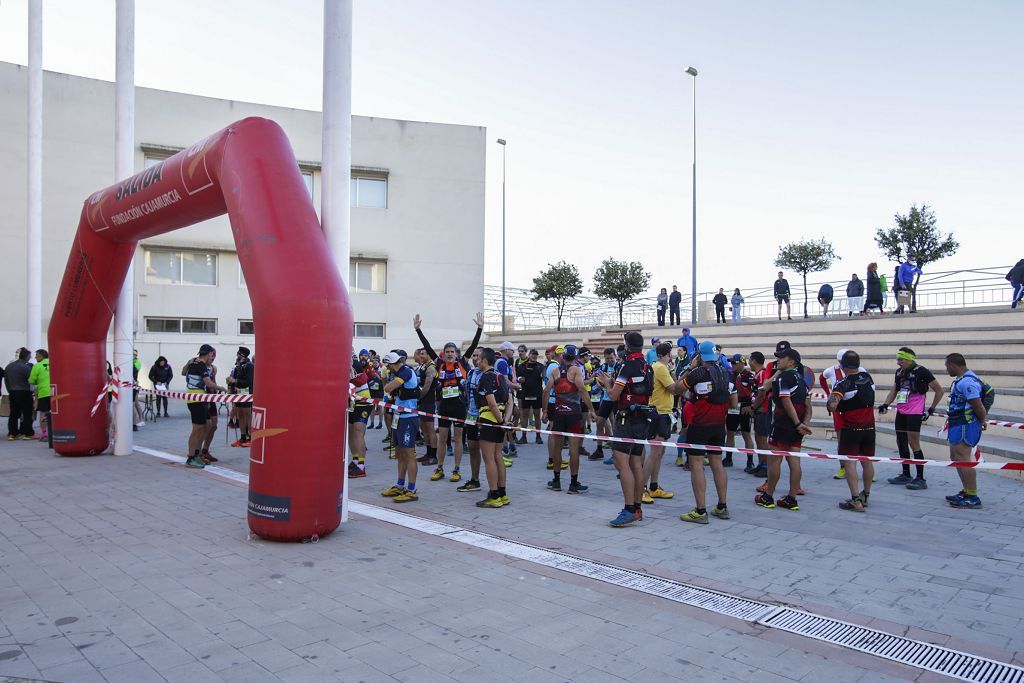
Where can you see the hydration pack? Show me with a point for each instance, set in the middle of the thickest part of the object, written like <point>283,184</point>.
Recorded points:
<point>638,389</point>
<point>864,396</point>
<point>719,392</point>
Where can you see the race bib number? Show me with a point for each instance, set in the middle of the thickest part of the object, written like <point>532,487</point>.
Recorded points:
<point>529,398</point>
<point>734,411</point>
<point>244,392</point>
<point>471,420</point>
<point>903,396</point>
<point>161,387</point>
<point>394,420</point>
<point>450,392</point>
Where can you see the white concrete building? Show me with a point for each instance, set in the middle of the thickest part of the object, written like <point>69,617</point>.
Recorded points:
<point>417,218</point>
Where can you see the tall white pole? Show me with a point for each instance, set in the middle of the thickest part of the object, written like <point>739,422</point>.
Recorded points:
<point>124,167</point>
<point>336,154</point>
<point>693,291</point>
<point>504,148</point>
<point>34,241</point>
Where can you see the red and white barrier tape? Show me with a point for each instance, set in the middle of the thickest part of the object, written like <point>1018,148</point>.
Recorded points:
<point>811,455</point>
<point>994,423</point>
<point>113,385</point>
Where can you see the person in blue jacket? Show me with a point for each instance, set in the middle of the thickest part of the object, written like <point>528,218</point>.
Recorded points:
<point>905,275</point>
<point>688,342</point>
<point>825,294</point>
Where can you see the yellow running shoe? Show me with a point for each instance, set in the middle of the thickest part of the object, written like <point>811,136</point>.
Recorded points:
<point>437,475</point>
<point>841,474</point>
<point>662,493</point>
<point>490,503</point>
<point>505,500</point>
<point>406,497</point>
<point>392,492</point>
<point>507,461</point>
<point>565,464</point>
<point>456,476</point>
<point>550,466</point>
<point>646,498</point>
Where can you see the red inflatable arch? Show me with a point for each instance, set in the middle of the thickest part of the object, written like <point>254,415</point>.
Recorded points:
<point>300,308</point>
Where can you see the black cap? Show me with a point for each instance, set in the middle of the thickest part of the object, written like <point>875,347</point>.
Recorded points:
<point>205,349</point>
<point>792,354</point>
<point>243,351</point>
<point>781,348</point>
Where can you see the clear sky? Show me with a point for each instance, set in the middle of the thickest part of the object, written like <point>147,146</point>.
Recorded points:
<point>815,118</point>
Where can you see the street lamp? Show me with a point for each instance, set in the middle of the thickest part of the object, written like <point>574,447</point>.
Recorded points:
<point>503,149</point>
<point>693,293</point>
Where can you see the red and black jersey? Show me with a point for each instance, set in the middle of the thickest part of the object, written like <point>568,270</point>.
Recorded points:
<point>789,383</point>
<point>857,401</point>
<point>746,386</point>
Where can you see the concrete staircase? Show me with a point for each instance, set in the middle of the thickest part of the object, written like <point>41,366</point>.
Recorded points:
<point>992,340</point>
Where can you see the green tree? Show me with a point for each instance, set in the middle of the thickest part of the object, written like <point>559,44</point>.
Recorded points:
<point>620,281</point>
<point>915,236</point>
<point>559,283</point>
<point>806,256</point>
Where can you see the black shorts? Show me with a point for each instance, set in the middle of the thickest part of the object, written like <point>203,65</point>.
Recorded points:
<point>379,395</point>
<point>908,423</point>
<point>531,403</point>
<point>571,422</point>
<point>200,413</point>
<point>43,404</point>
<point>472,432</point>
<point>491,433</point>
<point>709,435</point>
<point>360,413</point>
<point>661,427</point>
<point>213,409</point>
<point>763,424</point>
<point>606,408</point>
<point>857,442</point>
<point>451,409</point>
<point>426,407</point>
<point>631,425</point>
<point>784,435</point>
<point>244,406</point>
<point>737,423</point>
<point>781,299</point>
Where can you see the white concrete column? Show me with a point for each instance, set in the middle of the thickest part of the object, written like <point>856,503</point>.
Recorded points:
<point>124,167</point>
<point>34,237</point>
<point>336,154</point>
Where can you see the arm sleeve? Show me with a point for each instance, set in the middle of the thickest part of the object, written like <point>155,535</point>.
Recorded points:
<point>473,344</point>
<point>426,345</point>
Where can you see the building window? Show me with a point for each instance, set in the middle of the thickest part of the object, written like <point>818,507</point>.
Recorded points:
<point>167,267</point>
<point>181,325</point>
<point>370,193</point>
<point>307,177</point>
<point>368,276</point>
<point>246,327</point>
<point>370,330</point>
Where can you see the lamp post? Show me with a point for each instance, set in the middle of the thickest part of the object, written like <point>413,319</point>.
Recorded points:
<point>693,292</point>
<point>503,149</point>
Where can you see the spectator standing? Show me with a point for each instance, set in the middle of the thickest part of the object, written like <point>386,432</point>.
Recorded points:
<point>674,299</point>
<point>906,278</point>
<point>136,408</point>
<point>737,303</point>
<point>39,379</point>
<point>883,282</point>
<point>161,375</point>
<point>782,295</point>
<point>874,288</point>
<point>16,374</point>
<point>1016,280</point>
<point>662,306</point>
<point>855,295</point>
<point>688,342</point>
<point>720,301</point>
<point>825,295</point>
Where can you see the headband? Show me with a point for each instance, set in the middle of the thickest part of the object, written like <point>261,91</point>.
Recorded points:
<point>903,355</point>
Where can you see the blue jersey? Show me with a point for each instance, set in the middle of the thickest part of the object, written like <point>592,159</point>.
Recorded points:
<point>965,388</point>
<point>472,380</point>
<point>549,374</point>
<point>409,380</point>
<point>502,367</point>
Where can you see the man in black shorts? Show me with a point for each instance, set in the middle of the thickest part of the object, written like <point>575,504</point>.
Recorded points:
<point>911,384</point>
<point>199,380</point>
<point>425,375</point>
<point>791,418</point>
<point>530,374</point>
<point>853,399</point>
<point>605,406</point>
<point>761,408</point>
<point>631,391</point>
<point>566,386</point>
<point>495,404</point>
<point>242,382</point>
<point>782,295</point>
<point>740,417</point>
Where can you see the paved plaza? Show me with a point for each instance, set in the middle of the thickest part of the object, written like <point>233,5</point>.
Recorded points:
<point>137,569</point>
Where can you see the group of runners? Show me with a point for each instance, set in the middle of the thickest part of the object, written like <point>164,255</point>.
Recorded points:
<point>485,400</point>
<point>200,374</point>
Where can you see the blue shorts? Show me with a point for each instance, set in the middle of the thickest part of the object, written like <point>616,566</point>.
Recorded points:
<point>969,434</point>
<point>405,433</point>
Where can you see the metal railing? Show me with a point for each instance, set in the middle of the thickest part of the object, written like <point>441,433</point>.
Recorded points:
<point>940,290</point>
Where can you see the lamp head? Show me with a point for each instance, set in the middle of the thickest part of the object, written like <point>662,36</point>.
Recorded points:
<point>690,70</point>
<point>501,141</point>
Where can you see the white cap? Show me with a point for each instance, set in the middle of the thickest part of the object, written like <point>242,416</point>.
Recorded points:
<point>839,356</point>
<point>391,357</point>
<point>507,346</point>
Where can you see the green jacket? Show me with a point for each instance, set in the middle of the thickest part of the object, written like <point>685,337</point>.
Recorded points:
<point>40,378</point>
<point>884,283</point>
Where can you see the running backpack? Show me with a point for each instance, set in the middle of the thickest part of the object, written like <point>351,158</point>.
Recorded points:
<point>988,395</point>
<point>639,389</point>
<point>719,392</point>
<point>864,397</point>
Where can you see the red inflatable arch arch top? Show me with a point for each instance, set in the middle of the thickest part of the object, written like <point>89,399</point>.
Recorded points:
<point>300,308</point>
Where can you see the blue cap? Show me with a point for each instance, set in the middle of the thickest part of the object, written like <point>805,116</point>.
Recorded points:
<point>706,349</point>
<point>570,351</point>
<point>364,352</point>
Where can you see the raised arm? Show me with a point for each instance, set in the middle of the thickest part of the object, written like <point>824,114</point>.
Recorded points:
<point>479,320</point>
<point>416,322</point>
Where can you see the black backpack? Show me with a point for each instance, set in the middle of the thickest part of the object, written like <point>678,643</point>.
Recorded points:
<point>864,385</point>
<point>719,393</point>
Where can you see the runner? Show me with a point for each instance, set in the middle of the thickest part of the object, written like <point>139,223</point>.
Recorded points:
<point>199,380</point>
<point>709,398</point>
<point>214,411</point>
<point>426,373</point>
<point>740,417</point>
<point>761,408</point>
<point>503,365</point>
<point>359,410</point>
<point>567,388</point>
<point>912,382</point>
<point>241,381</point>
<point>522,355</point>
<point>605,405</point>
<point>661,423</point>
<point>530,374</point>
<point>492,396</point>
<point>472,429</point>
<point>852,402</point>
<point>828,379</point>
<point>631,390</point>
<point>375,383</point>
<point>965,420</point>
<point>790,424</point>
<point>554,363</point>
<point>451,394</point>
<point>404,385</point>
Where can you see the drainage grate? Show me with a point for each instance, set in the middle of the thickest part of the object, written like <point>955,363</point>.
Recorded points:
<point>722,603</point>
<point>915,653</point>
